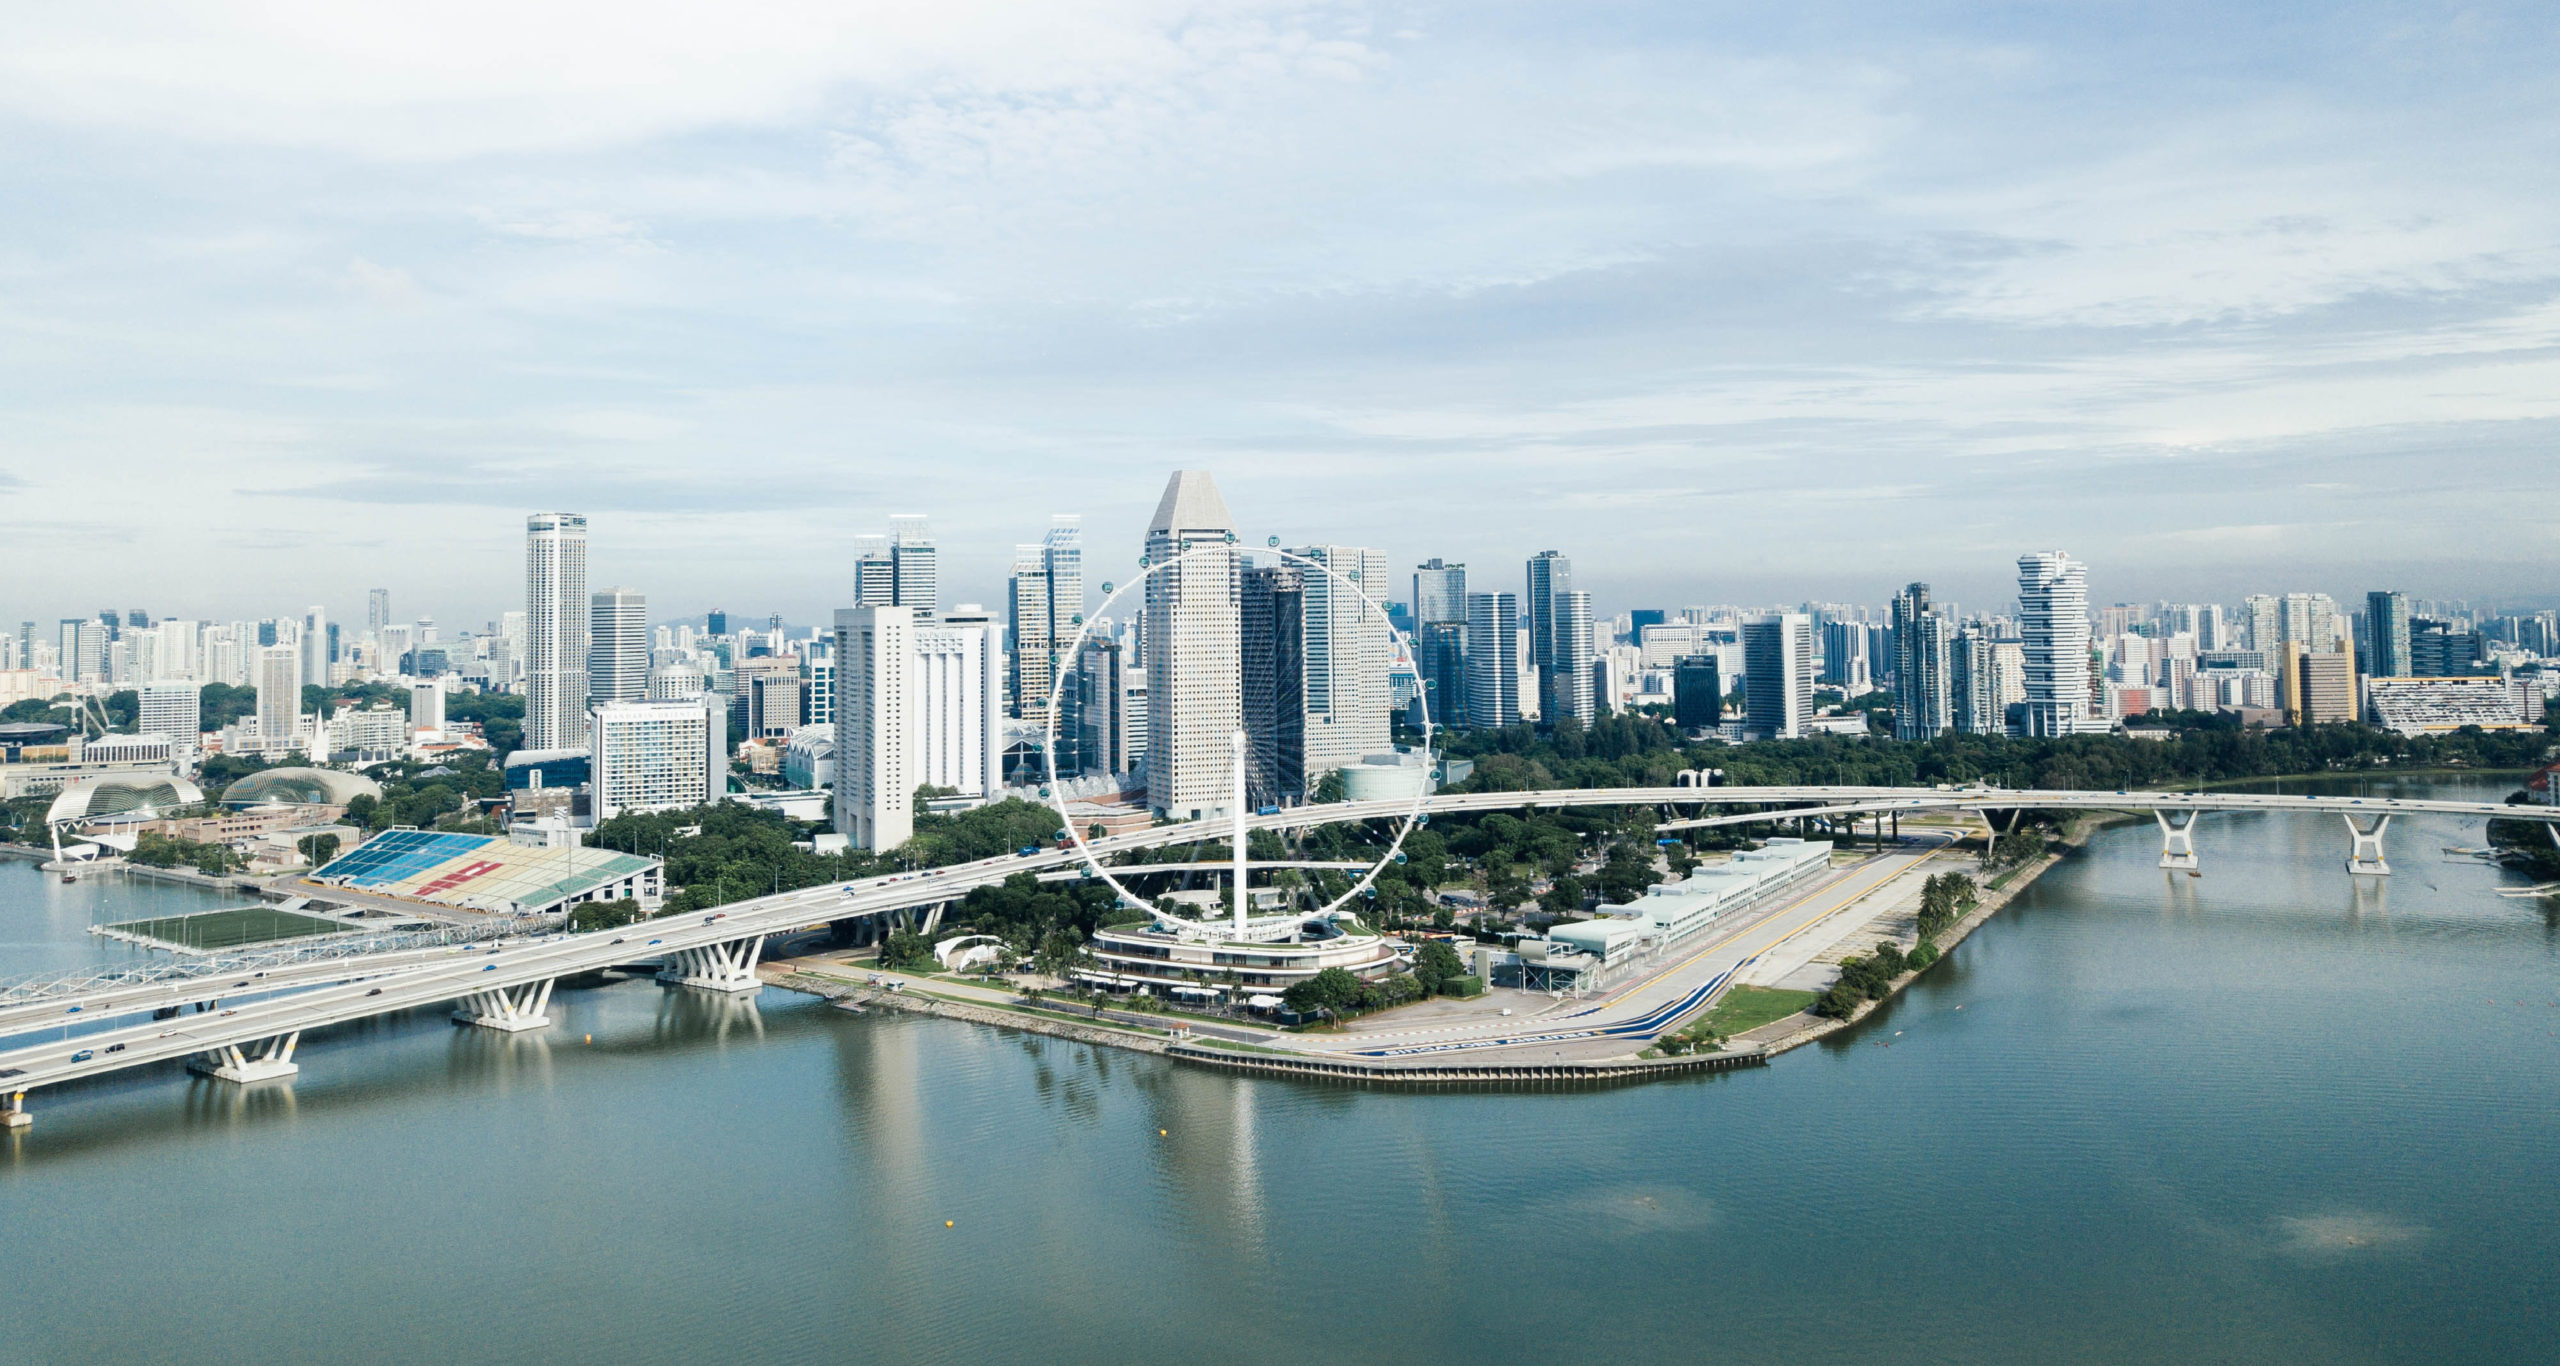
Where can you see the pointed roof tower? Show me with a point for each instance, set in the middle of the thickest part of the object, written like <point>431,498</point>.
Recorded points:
<point>1191,503</point>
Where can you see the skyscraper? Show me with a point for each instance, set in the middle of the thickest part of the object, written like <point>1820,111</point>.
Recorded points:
<point>658,756</point>
<point>2386,634</point>
<point>1441,647</point>
<point>1044,604</point>
<point>1550,578</point>
<point>1099,716</point>
<point>1777,675</point>
<point>1973,684</point>
<point>174,710</point>
<point>2053,623</point>
<point>1193,649</point>
<point>911,566</point>
<point>1576,683</point>
<point>1348,654</point>
<point>377,611</point>
<point>315,646</point>
<point>875,583</point>
<point>1493,660</point>
<point>1439,593</point>
<point>1697,693</point>
<point>956,707</point>
<point>1922,703</point>
<point>875,749</point>
<point>1274,623</point>
<point>279,694</point>
<point>617,646</point>
<point>555,626</point>
<point>1035,649</point>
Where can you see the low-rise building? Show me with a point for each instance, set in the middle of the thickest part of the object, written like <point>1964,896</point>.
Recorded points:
<point>2436,706</point>
<point>1165,958</point>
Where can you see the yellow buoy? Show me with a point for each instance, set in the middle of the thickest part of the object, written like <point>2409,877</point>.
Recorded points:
<point>1160,1133</point>
<point>947,1223</point>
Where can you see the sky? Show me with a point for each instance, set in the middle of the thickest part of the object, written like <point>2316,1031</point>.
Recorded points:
<point>1730,303</point>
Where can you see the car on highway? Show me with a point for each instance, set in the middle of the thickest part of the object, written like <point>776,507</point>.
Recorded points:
<point>617,941</point>
<point>84,1055</point>
<point>489,967</point>
<point>375,992</point>
<point>653,943</point>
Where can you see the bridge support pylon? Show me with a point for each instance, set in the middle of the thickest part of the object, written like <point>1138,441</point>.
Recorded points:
<point>15,1116</point>
<point>716,967</point>
<point>252,1062</point>
<point>2177,841</point>
<point>2364,856</point>
<point>511,1009</point>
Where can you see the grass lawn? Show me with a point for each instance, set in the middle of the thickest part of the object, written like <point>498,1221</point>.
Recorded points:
<point>1751,1007</point>
<point>230,929</point>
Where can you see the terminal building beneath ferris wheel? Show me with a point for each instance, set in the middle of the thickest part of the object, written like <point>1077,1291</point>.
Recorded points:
<point>1167,958</point>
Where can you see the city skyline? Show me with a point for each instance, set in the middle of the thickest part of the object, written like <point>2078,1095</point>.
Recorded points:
<point>1813,280</point>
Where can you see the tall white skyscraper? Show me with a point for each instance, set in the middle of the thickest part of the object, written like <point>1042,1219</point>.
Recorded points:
<point>1493,660</point>
<point>279,694</point>
<point>2053,627</point>
<point>1777,675</point>
<point>875,744</point>
<point>377,611</point>
<point>1194,649</point>
<point>555,631</point>
<point>1347,652</point>
<point>617,646</point>
<point>956,706</point>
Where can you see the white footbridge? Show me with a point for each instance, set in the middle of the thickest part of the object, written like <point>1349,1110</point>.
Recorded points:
<point>243,1023</point>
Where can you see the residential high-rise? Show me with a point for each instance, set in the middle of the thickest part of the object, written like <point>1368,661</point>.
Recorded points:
<point>1576,687</point>
<point>1777,675</point>
<point>377,611</point>
<point>279,694</point>
<point>911,566</point>
<point>1973,684</point>
<point>1697,693</point>
<point>2310,618</point>
<point>617,646</point>
<point>657,756</point>
<point>555,626</point>
<point>2053,625</point>
<point>1273,612</point>
<point>875,745</point>
<point>1923,704</point>
<point>1844,657</point>
<point>1439,593</point>
<point>1193,649</point>
<point>1550,578</point>
<point>1493,660</point>
<point>2386,634</point>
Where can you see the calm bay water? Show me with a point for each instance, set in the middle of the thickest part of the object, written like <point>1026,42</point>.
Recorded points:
<point>2268,1115</point>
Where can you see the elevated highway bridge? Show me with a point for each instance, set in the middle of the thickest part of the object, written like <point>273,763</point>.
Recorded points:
<point>508,985</point>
